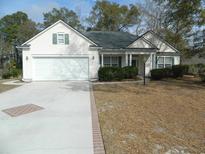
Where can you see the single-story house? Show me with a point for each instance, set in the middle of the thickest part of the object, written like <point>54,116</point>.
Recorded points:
<point>60,52</point>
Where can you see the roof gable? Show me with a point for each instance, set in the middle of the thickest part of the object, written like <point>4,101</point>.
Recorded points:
<point>159,42</point>
<point>66,25</point>
<point>141,42</point>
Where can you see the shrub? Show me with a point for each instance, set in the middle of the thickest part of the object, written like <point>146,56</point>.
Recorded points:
<point>11,71</point>
<point>6,75</point>
<point>193,69</point>
<point>110,73</point>
<point>186,69</point>
<point>196,69</point>
<point>179,70</point>
<point>201,68</point>
<point>117,73</point>
<point>15,72</point>
<point>130,72</point>
<point>167,72</point>
<point>158,74</point>
<point>105,74</point>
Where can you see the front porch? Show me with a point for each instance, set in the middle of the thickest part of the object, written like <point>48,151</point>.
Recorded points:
<point>134,58</point>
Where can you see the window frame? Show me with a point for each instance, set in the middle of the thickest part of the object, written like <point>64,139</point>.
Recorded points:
<point>170,64</point>
<point>106,63</point>
<point>63,38</point>
<point>164,62</point>
<point>110,61</point>
<point>117,61</point>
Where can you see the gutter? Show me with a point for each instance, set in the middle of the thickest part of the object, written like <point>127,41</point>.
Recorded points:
<point>23,47</point>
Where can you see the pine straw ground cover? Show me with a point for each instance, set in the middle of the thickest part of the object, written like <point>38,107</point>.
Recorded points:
<point>162,117</point>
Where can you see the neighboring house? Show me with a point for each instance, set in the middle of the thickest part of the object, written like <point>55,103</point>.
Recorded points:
<point>60,52</point>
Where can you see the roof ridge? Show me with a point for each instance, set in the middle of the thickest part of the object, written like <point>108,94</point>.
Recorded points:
<point>110,32</point>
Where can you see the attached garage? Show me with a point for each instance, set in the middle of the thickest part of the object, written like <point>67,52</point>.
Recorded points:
<point>58,68</point>
<point>59,53</point>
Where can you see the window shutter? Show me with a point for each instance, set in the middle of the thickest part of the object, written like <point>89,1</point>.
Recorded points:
<point>54,38</point>
<point>66,39</point>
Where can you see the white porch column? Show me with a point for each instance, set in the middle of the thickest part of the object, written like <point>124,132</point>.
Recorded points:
<point>130,60</point>
<point>153,61</point>
<point>126,59</point>
<point>102,61</point>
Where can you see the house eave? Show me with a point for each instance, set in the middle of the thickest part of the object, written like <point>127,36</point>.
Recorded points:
<point>168,54</point>
<point>23,47</point>
<point>128,50</point>
<point>95,47</point>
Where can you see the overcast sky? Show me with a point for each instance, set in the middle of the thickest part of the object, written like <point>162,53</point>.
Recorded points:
<point>35,8</point>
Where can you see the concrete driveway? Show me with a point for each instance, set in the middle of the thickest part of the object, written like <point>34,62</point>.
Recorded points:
<point>64,126</point>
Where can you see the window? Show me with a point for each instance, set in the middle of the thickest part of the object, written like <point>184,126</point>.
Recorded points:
<point>61,38</point>
<point>107,61</point>
<point>164,62</point>
<point>111,61</point>
<point>160,62</point>
<point>115,61</point>
<point>168,62</point>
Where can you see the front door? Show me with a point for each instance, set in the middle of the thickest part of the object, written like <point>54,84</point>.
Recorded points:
<point>134,63</point>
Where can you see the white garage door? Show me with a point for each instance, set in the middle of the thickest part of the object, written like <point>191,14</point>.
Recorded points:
<point>60,69</point>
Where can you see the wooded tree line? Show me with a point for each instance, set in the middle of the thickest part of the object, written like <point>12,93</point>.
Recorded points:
<point>172,19</point>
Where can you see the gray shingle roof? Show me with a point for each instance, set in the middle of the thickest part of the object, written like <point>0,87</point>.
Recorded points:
<point>111,40</point>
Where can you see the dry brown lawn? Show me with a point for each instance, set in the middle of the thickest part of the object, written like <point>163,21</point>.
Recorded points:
<point>162,117</point>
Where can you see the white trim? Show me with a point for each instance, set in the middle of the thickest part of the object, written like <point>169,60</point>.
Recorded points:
<point>102,60</point>
<point>156,35</point>
<point>68,26</point>
<point>154,61</point>
<point>59,56</point>
<point>130,60</point>
<point>154,46</point>
<point>145,40</point>
<point>110,63</point>
<point>126,59</point>
<point>124,53</point>
<point>164,64</point>
<point>19,47</point>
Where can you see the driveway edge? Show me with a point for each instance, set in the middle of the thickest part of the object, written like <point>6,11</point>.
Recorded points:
<point>97,136</point>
